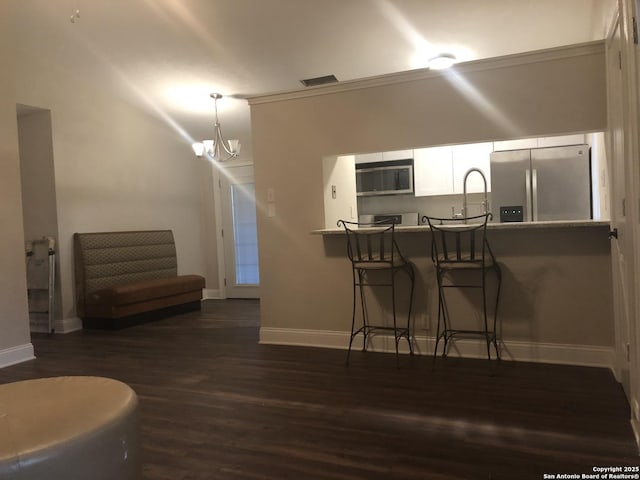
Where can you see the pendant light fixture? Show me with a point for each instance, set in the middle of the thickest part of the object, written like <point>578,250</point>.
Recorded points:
<point>217,148</point>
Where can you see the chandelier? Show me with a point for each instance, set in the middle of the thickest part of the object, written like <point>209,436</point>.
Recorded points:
<point>218,149</point>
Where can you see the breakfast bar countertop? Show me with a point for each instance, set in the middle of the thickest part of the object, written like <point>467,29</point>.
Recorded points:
<point>556,224</point>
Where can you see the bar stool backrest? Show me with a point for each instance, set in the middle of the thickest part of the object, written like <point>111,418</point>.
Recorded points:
<point>372,243</point>
<point>460,241</point>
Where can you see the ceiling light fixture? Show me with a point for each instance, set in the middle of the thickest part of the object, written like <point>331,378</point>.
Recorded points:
<point>442,61</point>
<point>218,149</point>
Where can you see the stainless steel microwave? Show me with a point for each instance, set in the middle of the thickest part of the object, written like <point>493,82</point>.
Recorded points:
<point>384,178</point>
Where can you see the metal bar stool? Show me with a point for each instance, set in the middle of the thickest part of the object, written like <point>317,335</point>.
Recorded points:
<point>460,245</point>
<point>376,260</point>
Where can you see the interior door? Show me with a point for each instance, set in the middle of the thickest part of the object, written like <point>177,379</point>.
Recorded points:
<point>239,233</point>
<point>622,244</point>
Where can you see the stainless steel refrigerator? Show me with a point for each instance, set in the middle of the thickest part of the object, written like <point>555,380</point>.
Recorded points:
<point>538,184</point>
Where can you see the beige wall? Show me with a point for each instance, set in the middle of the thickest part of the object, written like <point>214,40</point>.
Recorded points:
<point>305,279</point>
<point>14,322</point>
<point>119,169</point>
<point>118,164</point>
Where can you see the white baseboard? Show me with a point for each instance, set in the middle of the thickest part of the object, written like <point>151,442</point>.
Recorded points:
<point>585,355</point>
<point>18,354</point>
<point>210,294</point>
<point>635,425</point>
<point>635,421</point>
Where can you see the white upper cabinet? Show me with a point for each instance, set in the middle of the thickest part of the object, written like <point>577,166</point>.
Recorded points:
<point>368,157</point>
<point>525,143</point>
<point>384,156</point>
<point>433,171</point>
<point>397,155</point>
<point>561,140</point>
<point>465,157</point>
<point>520,144</point>
<point>441,170</point>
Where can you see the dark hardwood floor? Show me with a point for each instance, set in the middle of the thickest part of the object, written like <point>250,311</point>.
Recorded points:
<point>217,405</point>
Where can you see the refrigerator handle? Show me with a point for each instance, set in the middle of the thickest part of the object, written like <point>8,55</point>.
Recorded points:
<point>527,188</point>
<point>534,192</point>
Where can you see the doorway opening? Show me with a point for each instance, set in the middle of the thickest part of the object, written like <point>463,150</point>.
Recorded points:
<point>39,211</point>
<point>240,233</point>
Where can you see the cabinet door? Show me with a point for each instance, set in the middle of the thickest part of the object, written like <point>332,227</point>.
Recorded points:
<point>368,157</point>
<point>517,144</point>
<point>433,171</point>
<point>465,157</point>
<point>384,156</point>
<point>397,155</point>
<point>561,140</point>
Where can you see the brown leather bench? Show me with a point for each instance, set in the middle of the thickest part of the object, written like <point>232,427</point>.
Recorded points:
<point>125,277</point>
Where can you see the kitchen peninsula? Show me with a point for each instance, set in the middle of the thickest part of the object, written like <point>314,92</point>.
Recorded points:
<point>556,301</point>
<point>557,273</point>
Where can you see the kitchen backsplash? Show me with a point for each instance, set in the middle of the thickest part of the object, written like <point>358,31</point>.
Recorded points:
<point>435,206</point>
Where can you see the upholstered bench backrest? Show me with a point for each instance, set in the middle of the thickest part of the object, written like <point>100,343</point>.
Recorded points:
<point>106,259</point>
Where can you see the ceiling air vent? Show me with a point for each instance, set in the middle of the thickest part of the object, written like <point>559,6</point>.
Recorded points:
<point>314,82</point>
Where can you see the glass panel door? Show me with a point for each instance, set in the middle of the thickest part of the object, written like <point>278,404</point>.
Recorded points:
<point>245,234</point>
<point>239,233</point>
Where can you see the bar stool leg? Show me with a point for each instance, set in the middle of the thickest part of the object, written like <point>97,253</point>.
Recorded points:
<point>495,311</point>
<point>441,331</point>
<point>487,337</point>
<point>412,277</point>
<point>353,315</point>
<point>403,332</point>
<point>365,312</point>
<point>393,306</point>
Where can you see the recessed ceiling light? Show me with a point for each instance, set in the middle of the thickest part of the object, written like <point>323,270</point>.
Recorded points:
<point>442,61</point>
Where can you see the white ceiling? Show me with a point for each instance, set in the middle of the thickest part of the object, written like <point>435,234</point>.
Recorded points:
<point>168,55</point>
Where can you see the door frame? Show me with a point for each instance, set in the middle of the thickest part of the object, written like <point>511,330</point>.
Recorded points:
<point>622,279</point>
<point>218,173</point>
<point>629,57</point>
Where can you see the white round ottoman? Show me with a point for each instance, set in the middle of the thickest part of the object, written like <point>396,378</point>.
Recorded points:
<point>69,428</point>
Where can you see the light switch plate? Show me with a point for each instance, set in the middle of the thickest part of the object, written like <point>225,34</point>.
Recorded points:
<point>271,195</point>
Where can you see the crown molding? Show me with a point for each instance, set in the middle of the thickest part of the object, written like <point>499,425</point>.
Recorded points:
<point>525,58</point>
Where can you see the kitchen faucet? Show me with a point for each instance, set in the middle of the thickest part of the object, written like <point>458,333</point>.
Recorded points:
<point>485,204</point>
